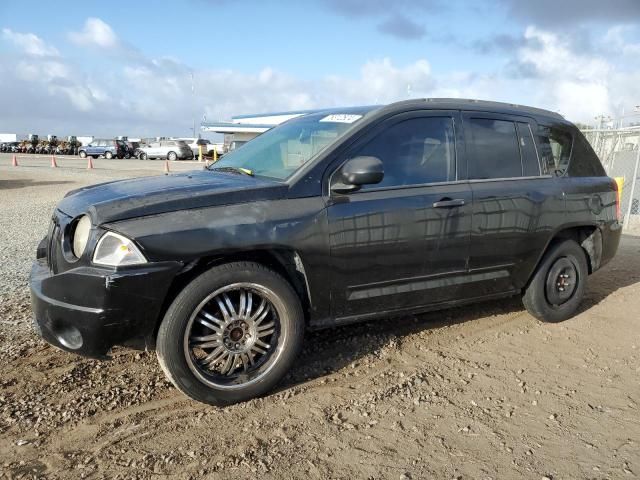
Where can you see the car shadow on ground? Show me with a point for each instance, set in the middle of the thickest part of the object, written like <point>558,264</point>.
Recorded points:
<point>328,351</point>
<point>23,183</point>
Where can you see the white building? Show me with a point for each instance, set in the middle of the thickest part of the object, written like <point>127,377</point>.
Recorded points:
<point>8,137</point>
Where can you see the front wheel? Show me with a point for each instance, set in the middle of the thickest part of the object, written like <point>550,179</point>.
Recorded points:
<point>108,155</point>
<point>558,284</point>
<point>231,334</point>
<point>83,154</point>
<point>143,156</point>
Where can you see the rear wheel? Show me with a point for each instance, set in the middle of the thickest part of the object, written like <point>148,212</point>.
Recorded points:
<point>557,287</point>
<point>172,156</point>
<point>231,334</point>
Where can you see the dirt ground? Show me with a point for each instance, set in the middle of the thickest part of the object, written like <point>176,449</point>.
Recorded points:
<point>478,392</point>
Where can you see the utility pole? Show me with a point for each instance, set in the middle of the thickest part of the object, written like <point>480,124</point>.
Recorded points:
<point>193,95</point>
<point>597,147</point>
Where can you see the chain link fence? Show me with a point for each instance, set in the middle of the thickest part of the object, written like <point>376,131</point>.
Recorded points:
<point>619,152</point>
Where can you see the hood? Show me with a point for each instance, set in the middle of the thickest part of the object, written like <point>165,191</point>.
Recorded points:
<point>123,199</point>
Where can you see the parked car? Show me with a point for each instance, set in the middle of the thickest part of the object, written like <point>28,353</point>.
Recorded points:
<point>10,147</point>
<point>108,148</point>
<point>330,218</point>
<point>169,149</point>
<point>131,149</point>
<point>207,146</point>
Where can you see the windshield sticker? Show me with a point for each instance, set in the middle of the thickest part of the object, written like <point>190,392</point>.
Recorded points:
<point>341,118</point>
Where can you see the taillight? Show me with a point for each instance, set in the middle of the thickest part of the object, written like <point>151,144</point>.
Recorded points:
<point>619,185</point>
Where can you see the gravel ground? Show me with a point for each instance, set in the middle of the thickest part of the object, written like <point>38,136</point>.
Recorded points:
<point>476,392</point>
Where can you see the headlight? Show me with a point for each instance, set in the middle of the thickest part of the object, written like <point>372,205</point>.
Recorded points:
<point>115,250</point>
<point>81,235</point>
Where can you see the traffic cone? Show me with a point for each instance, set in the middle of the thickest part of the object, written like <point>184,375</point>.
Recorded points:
<point>14,162</point>
<point>89,163</point>
<point>53,162</point>
<point>166,166</point>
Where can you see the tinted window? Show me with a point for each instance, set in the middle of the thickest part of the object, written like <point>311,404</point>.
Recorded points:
<point>585,162</point>
<point>495,152</point>
<point>555,149</point>
<point>414,152</point>
<point>530,165</point>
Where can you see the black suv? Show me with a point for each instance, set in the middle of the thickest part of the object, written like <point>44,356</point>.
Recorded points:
<point>331,218</point>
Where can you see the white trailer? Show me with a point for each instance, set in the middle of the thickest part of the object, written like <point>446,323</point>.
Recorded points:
<point>8,137</point>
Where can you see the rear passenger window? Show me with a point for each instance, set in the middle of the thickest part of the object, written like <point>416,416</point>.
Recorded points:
<point>495,151</point>
<point>414,152</point>
<point>530,165</point>
<point>555,149</point>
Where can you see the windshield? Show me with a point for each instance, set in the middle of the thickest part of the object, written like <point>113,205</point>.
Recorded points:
<point>279,152</point>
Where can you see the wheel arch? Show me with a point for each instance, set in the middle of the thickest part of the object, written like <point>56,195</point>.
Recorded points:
<point>284,261</point>
<point>588,236</point>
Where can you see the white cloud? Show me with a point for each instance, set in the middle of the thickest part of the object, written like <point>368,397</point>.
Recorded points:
<point>95,33</point>
<point>615,39</point>
<point>29,43</point>
<point>154,97</point>
<point>573,83</point>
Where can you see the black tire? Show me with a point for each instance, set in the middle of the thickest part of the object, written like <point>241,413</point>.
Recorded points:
<point>550,297</point>
<point>83,154</point>
<point>127,156</point>
<point>143,156</point>
<point>108,155</point>
<point>178,360</point>
<point>172,156</point>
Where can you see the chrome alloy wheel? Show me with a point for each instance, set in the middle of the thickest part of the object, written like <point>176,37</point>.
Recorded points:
<point>234,336</point>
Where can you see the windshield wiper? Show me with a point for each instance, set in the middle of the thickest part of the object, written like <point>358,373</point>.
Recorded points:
<point>240,170</point>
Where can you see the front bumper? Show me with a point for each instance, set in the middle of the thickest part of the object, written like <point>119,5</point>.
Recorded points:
<point>88,310</point>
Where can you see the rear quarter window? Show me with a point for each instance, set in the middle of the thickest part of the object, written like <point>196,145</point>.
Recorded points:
<point>555,147</point>
<point>584,161</point>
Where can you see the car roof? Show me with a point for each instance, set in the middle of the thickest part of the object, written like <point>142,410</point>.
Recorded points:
<point>446,104</point>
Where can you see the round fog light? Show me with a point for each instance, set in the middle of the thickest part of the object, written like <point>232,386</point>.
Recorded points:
<point>69,336</point>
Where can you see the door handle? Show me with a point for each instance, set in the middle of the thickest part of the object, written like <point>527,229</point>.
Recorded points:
<point>458,202</point>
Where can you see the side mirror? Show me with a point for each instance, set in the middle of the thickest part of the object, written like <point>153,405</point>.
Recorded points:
<point>357,172</point>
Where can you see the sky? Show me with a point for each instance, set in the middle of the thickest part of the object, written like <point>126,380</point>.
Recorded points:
<point>150,68</point>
